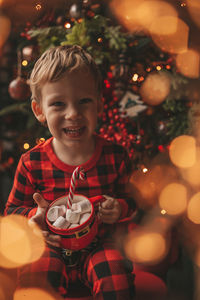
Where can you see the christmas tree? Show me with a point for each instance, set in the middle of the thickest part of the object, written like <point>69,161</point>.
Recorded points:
<point>141,120</point>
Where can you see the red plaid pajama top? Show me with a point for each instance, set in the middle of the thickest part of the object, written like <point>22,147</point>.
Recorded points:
<point>39,170</point>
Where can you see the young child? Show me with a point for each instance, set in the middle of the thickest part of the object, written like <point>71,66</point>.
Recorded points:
<point>66,95</point>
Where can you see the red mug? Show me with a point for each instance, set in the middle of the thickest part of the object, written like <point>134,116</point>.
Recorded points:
<point>81,236</point>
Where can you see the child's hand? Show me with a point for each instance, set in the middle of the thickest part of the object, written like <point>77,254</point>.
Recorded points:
<point>39,219</point>
<point>109,210</point>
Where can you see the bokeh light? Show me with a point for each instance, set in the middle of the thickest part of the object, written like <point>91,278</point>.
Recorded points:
<point>34,293</point>
<point>20,243</point>
<point>5,27</point>
<point>182,151</point>
<point>173,198</point>
<point>140,14</point>
<point>146,187</point>
<point>170,34</point>
<point>149,11</point>
<point>193,209</point>
<point>126,12</point>
<point>188,63</point>
<point>193,7</point>
<point>191,175</point>
<point>164,25</point>
<point>155,88</point>
<point>145,247</point>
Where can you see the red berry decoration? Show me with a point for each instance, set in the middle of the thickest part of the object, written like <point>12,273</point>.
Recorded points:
<point>19,89</point>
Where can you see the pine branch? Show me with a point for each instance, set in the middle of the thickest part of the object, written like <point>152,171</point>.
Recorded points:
<point>22,107</point>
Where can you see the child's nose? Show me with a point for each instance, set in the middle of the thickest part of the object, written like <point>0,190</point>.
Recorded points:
<point>72,112</point>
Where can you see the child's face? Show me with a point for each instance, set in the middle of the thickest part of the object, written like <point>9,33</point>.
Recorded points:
<point>70,106</point>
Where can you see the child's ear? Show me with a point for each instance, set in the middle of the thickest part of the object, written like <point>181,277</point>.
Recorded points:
<point>37,110</point>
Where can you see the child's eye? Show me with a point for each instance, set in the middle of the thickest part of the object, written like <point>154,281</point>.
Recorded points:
<point>85,100</point>
<point>57,103</point>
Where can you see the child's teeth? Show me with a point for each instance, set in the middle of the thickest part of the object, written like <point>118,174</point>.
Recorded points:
<point>73,130</point>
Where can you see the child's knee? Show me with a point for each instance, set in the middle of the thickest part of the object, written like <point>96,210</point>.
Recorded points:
<point>106,262</point>
<point>109,273</point>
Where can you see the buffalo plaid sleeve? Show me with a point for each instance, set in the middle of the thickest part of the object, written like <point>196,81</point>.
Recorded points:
<point>20,200</point>
<point>121,186</point>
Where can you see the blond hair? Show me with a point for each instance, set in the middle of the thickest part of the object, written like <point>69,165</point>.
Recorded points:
<point>55,62</point>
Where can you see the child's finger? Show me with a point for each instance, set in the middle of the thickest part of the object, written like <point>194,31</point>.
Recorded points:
<point>52,239</point>
<point>40,200</point>
<point>106,211</point>
<point>108,204</point>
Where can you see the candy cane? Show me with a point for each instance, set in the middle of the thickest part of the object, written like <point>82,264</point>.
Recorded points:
<point>77,174</point>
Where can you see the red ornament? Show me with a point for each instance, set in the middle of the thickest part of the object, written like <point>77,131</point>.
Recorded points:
<point>19,89</point>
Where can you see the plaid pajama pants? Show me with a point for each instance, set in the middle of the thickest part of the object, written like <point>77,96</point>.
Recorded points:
<point>103,269</point>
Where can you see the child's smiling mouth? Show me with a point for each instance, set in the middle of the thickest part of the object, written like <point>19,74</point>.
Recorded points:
<point>74,131</point>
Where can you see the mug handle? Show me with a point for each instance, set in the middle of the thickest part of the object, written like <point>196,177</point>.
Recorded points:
<point>96,200</point>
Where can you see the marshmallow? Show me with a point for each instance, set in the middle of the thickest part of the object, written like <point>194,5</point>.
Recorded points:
<point>61,222</point>
<point>76,207</point>
<point>84,206</point>
<point>84,217</point>
<point>55,212</point>
<point>63,209</point>
<point>73,226</point>
<point>72,216</point>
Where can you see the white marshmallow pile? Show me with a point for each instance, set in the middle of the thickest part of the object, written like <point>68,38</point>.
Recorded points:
<point>63,217</point>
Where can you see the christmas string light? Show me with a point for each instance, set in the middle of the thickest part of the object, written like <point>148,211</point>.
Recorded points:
<point>168,67</point>
<point>144,170</point>
<point>40,140</point>
<point>135,77</point>
<point>141,78</point>
<point>38,6</point>
<point>183,4</point>
<point>24,63</point>
<point>158,68</point>
<point>26,146</point>
<point>67,25</point>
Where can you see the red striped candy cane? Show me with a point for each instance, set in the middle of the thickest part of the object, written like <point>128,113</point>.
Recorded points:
<point>78,173</point>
